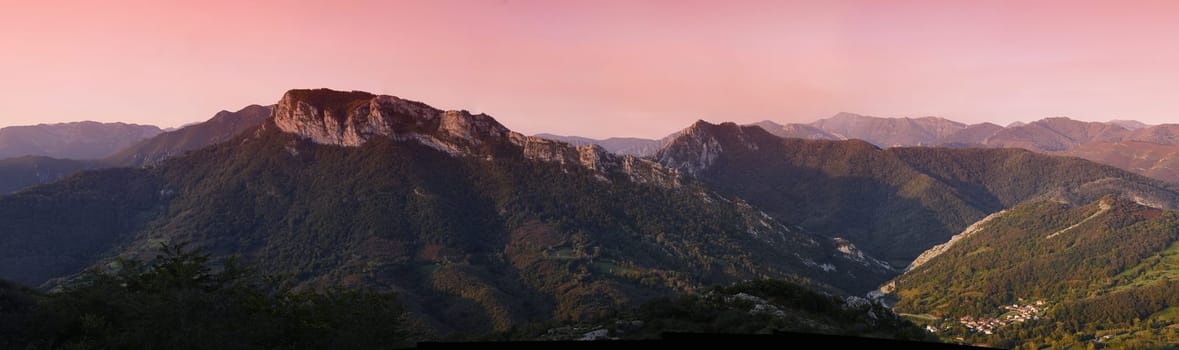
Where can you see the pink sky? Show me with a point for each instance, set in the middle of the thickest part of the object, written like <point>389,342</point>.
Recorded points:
<point>596,68</point>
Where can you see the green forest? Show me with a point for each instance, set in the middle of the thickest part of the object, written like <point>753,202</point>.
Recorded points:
<point>1104,273</point>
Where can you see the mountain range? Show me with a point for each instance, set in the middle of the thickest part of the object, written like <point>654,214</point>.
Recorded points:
<point>474,225</point>
<point>1150,150</point>
<point>478,228</point>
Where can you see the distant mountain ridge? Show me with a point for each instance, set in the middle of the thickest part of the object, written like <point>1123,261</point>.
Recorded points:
<point>223,126</point>
<point>889,132</point>
<point>1045,135</point>
<point>78,140</point>
<point>1151,150</point>
<point>800,131</point>
<point>21,172</point>
<point>634,146</point>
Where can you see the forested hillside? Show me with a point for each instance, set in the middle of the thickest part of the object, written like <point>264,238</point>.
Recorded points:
<point>1046,272</point>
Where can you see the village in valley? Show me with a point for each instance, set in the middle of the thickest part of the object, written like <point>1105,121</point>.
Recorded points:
<point>1015,313</point>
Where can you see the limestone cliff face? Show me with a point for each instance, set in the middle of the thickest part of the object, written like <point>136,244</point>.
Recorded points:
<point>695,149</point>
<point>698,149</point>
<point>352,118</point>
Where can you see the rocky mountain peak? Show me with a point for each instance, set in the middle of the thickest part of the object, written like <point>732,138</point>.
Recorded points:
<point>352,118</point>
<point>699,127</point>
<point>697,147</point>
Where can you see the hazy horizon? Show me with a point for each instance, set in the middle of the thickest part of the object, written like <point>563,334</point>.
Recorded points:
<point>597,69</point>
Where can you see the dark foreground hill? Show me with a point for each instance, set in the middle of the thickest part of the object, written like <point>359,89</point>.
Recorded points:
<point>180,300</point>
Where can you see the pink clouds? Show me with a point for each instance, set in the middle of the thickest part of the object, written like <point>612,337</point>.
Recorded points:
<point>597,68</point>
